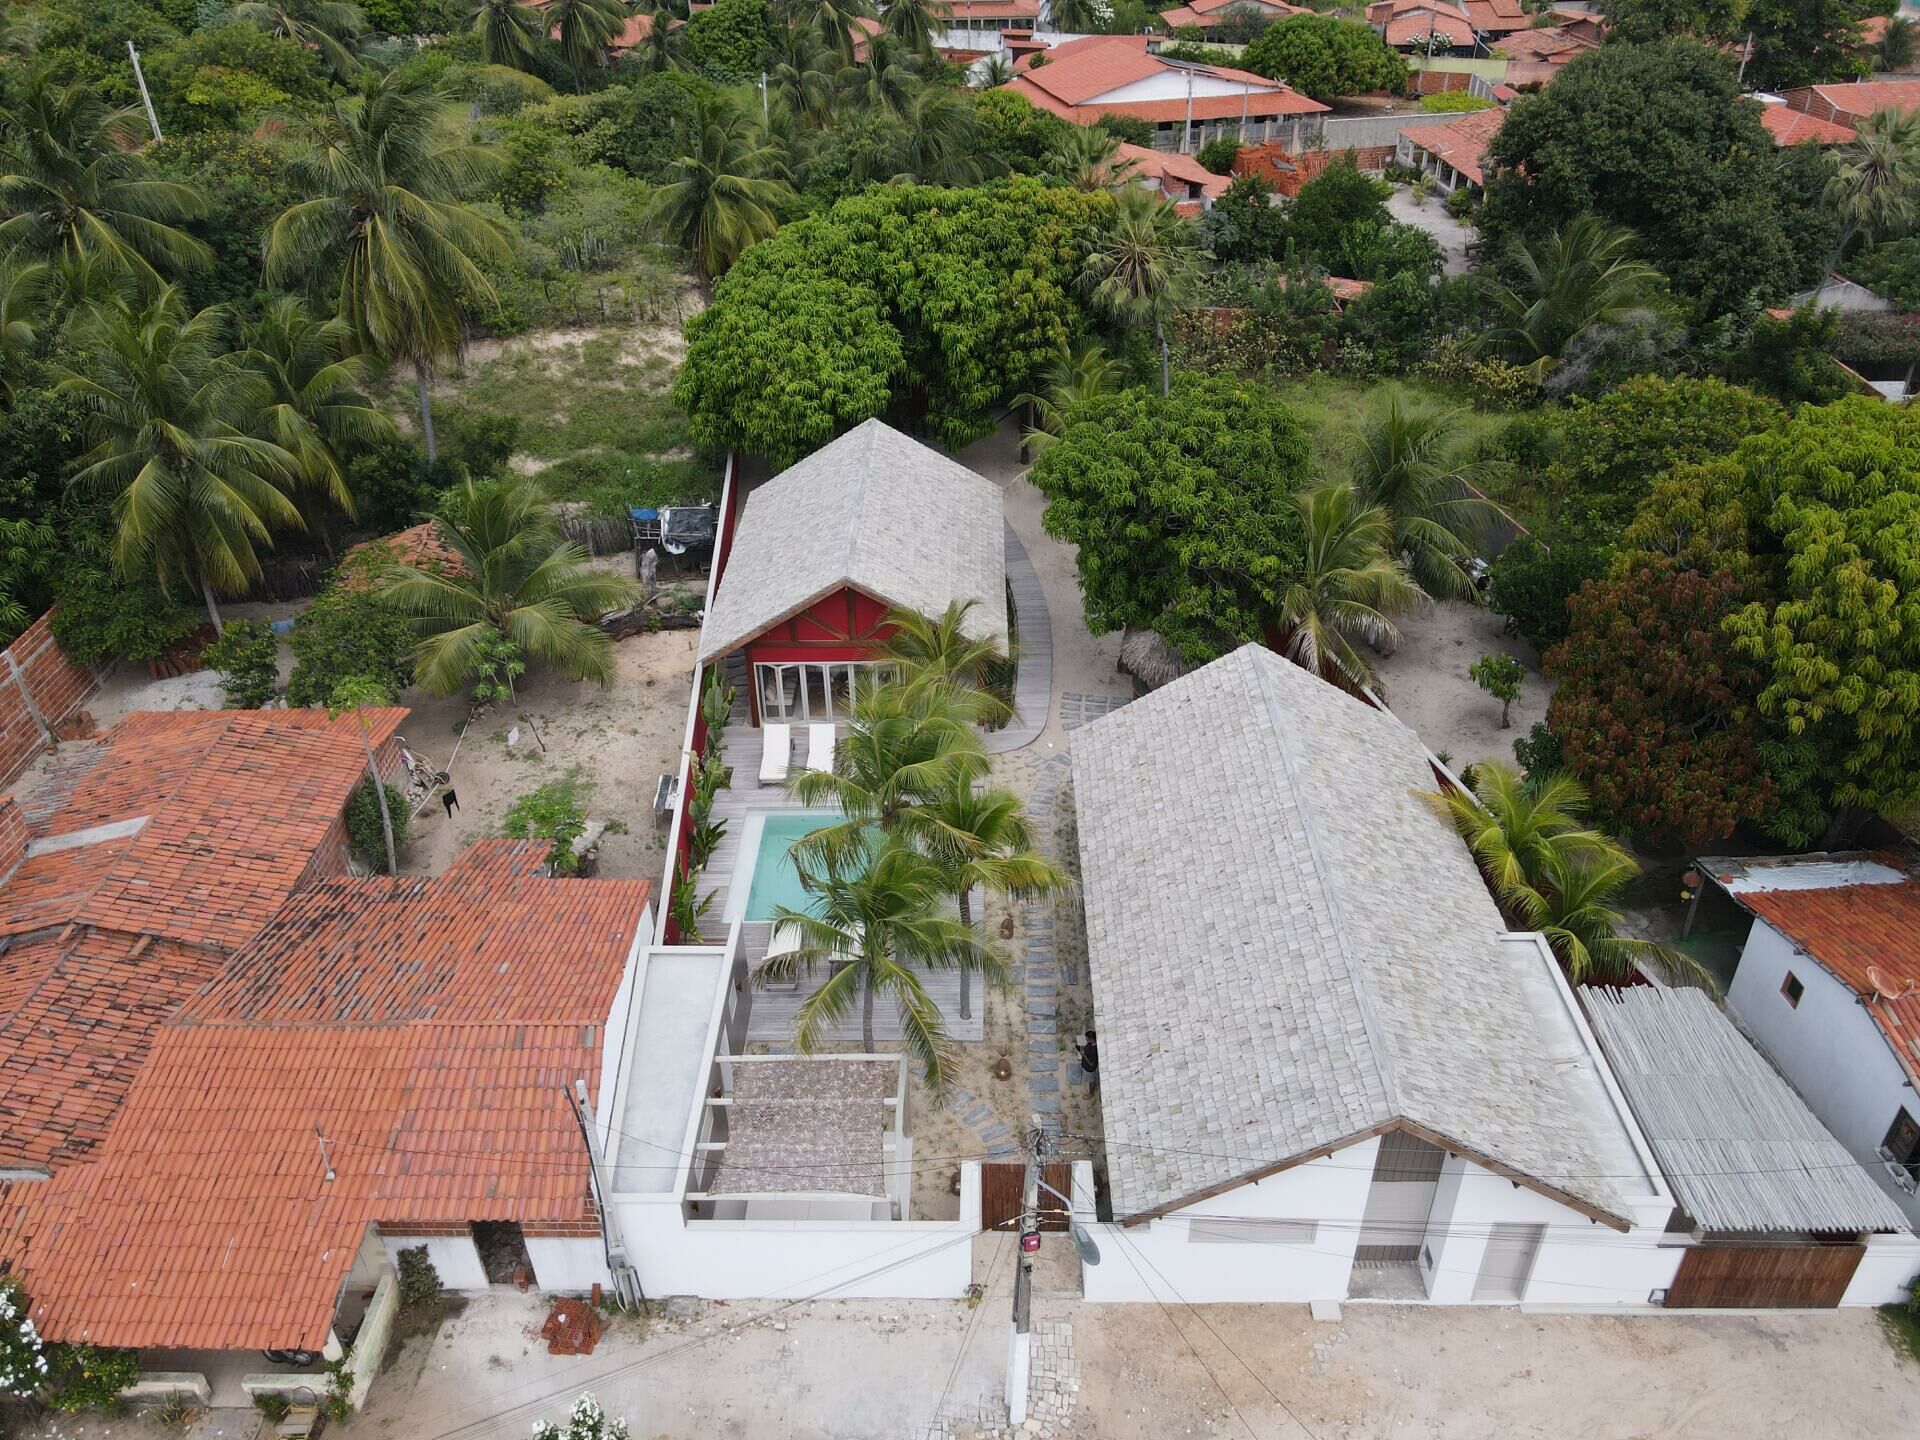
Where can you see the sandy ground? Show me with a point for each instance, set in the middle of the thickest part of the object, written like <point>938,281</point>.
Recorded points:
<point>881,1370</point>
<point>1426,684</point>
<point>1452,236</point>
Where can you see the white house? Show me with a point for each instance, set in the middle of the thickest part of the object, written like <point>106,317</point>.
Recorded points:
<point>1328,1070</point>
<point>1827,984</point>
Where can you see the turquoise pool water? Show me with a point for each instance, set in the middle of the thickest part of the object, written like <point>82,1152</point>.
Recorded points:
<point>776,880</point>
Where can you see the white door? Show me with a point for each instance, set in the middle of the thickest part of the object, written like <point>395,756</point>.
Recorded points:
<point>1508,1261</point>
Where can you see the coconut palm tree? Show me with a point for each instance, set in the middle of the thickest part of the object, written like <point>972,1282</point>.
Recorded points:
<point>383,171</point>
<point>1087,157</point>
<point>877,922</point>
<point>915,22</point>
<point>1580,277</point>
<point>1895,52</point>
<point>1514,826</point>
<point>993,72</point>
<point>1079,17</point>
<point>1143,268</point>
<point>315,407</point>
<point>1347,587</point>
<point>516,577</point>
<point>194,497</point>
<point>508,30</point>
<point>333,28</point>
<point>800,78</point>
<point>1416,465</point>
<point>983,838</point>
<point>74,185</point>
<point>939,649</point>
<point>23,296</point>
<point>1571,900</point>
<point>662,46</point>
<point>1874,187</point>
<point>905,746</point>
<point>1067,382</point>
<point>883,80</point>
<point>941,141</point>
<point>583,30</point>
<point>832,21</point>
<point>721,198</point>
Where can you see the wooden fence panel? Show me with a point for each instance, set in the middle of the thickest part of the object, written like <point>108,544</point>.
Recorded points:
<point>1764,1277</point>
<point>1001,1184</point>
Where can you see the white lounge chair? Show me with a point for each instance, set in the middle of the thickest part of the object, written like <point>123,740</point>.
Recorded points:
<point>776,752</point>
<point>819,747</point>
<point>785,939</point>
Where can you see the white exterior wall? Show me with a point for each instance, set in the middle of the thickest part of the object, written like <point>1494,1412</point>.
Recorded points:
<point>1157,1261</point>
<point>784,1260</point>
<point>613,1036</point>
<point>1886,1271</point>
<point>1172,85</point>
<point>1828,1046</point>
<point>569,1264</point>
<point>455,1257</point>
<point>1579,1262</point>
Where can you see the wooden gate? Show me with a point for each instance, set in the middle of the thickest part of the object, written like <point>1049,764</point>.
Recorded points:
<point>1001,1182</point>
<point>1764,1277</point>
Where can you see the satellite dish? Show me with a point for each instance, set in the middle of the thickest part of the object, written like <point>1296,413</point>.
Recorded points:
<point>1880,990</point>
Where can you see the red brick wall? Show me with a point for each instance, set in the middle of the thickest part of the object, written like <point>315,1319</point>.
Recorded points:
<point>1265,161</point>
<point>330,857</point>
<point>1433,82</point>
<point>58,686</point>
<point>561,1229</point>
<point>390,1230</point>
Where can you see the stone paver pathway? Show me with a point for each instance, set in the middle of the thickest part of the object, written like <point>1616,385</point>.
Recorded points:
<point>1033,689</point>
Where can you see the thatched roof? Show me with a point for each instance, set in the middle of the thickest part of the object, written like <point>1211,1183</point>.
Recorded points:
<point>1150,659</point>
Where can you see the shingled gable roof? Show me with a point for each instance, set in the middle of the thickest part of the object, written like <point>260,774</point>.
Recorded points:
<point>153,851</point>
<point>1291,951</point>
<point>872,510</point>
<point>426,1028</point>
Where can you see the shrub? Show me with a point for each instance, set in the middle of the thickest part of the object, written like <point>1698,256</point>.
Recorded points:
<point>1453,102</point>
<point>481,440</point>
<point>1218,155</point>
<point>1461,203</point>
<point>87,1377</point>
<point>364,834</point>
<point>102,618</point>
<point>247,657</point>
<point>556,813</point>
<point>272,1405</point>
<point>23,1368</point>
<point>1494,384</point>
<point>394,486</point>
<point>1538,751</point>
<point>419,1281</point>
<point>346,633</point>
<point>1531,583</point>
<point>1128,129</point>
<point>1500,675</point>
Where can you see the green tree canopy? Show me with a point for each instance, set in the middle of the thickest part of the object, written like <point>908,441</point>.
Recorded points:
<point>731,41</point>
<point>1655,138</point>
<point>1325,58</point>
<point>1183,508</point>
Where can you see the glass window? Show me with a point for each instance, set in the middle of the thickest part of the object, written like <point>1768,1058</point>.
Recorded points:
<point>1903,1143</point>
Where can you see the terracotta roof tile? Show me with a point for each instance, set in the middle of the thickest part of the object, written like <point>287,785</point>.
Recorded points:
<point>1460,143</point>
<point>1075,75</point>
<point>1792,127</point>
<point>1850,930</point>
<point>1861,98</point>
<point>424,1029</point>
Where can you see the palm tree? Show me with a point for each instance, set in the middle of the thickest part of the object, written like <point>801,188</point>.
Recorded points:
<point>994,72</point>
<point>799,77</point>
<point>983,838</point>
<point>194,498</point>
<point>1873,188</point>
<point>73,184</point>
<point>1571,901</point>
<point>584,29</point>
<point>941,144</point>
<point>1347,587</point>
<point>1077,17</point>
<point>1066,382</point>
<point>1087,156</point>
<point>1143,268</point>
<point>383,171</point>
<point>23,294</point>
<point>355,693</point>
<point>1514,825</point>
<point>508,31</point>
<point>315,409</point>
<point>905,746</point>
<point>884,80</point>
<point>915,22</point>
<point>1580,277</point>
<point>874,923</point>
<point>1415,464</point>
<point>720,199</point>
<point>661,47</point>
<point>516,577</point>
<point>832,21</point>
<point>1895,51</point>
<point>922,647</point>
<point>332,27</point>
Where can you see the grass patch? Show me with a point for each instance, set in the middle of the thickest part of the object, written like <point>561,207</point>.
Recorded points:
<point>1903,1330</point>
<point>1334,408</point>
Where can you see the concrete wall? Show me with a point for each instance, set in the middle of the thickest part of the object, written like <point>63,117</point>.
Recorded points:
<point>569,1265</point>
<point>1828,1046</point>
<point>1160,1260</point>
<point>1886,1271</point>
<point>454,1256</point>
<point>1359,132</point>
<point>39,687</point>
<point>370,1345</point>
<point>782,1260</point>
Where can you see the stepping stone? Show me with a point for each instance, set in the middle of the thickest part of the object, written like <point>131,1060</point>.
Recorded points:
<point>978,1113</point>
<point>1046,1105</point>
<point>1038,1026</point>
<point>994,1132</point>
<point>1046,1044</point>
<point>1001,1152</point>
<point>961,1097</point>
<point>1043,1062</point>
<point>1070,973</point>
<point>1040,1007</point>
<point>1045,1082</point>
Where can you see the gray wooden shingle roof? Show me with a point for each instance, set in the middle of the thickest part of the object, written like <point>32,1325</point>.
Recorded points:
<point>1741,1148</point>
<point>874,510</point>
<point>1290,948</point>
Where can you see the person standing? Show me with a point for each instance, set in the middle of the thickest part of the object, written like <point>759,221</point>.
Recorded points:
<point>1089,1052</point>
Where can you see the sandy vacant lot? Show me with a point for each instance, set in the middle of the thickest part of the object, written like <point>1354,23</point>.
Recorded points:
<point>1426,682</point>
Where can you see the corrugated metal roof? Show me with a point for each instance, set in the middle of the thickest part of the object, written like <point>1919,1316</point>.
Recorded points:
<point>1741,1148</point>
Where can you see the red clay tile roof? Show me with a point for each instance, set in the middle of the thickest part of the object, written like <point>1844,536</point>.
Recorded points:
<point>1853,928</point>
<point>1862,97</point>
<point>217,817</point>
<point>424,1028</point>
<point>1208,13</point>
<point>963,10</point>
<point>1460,143</point>
<point>419,545</point>
<point>1079,72</point>
<point>1494,17</point>
<point>1177,173</point>
<point>1552,42</point>
<point>1791,127</point>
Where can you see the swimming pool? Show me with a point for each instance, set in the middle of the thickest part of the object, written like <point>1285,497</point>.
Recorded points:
<point>776,880</point>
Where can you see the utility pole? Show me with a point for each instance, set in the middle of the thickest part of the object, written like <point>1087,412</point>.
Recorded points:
<point>1020,1341</point>
<point>765,118</point>
<point>1746,54</point>
<point>153,120</point>
<point>1186,134</point>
